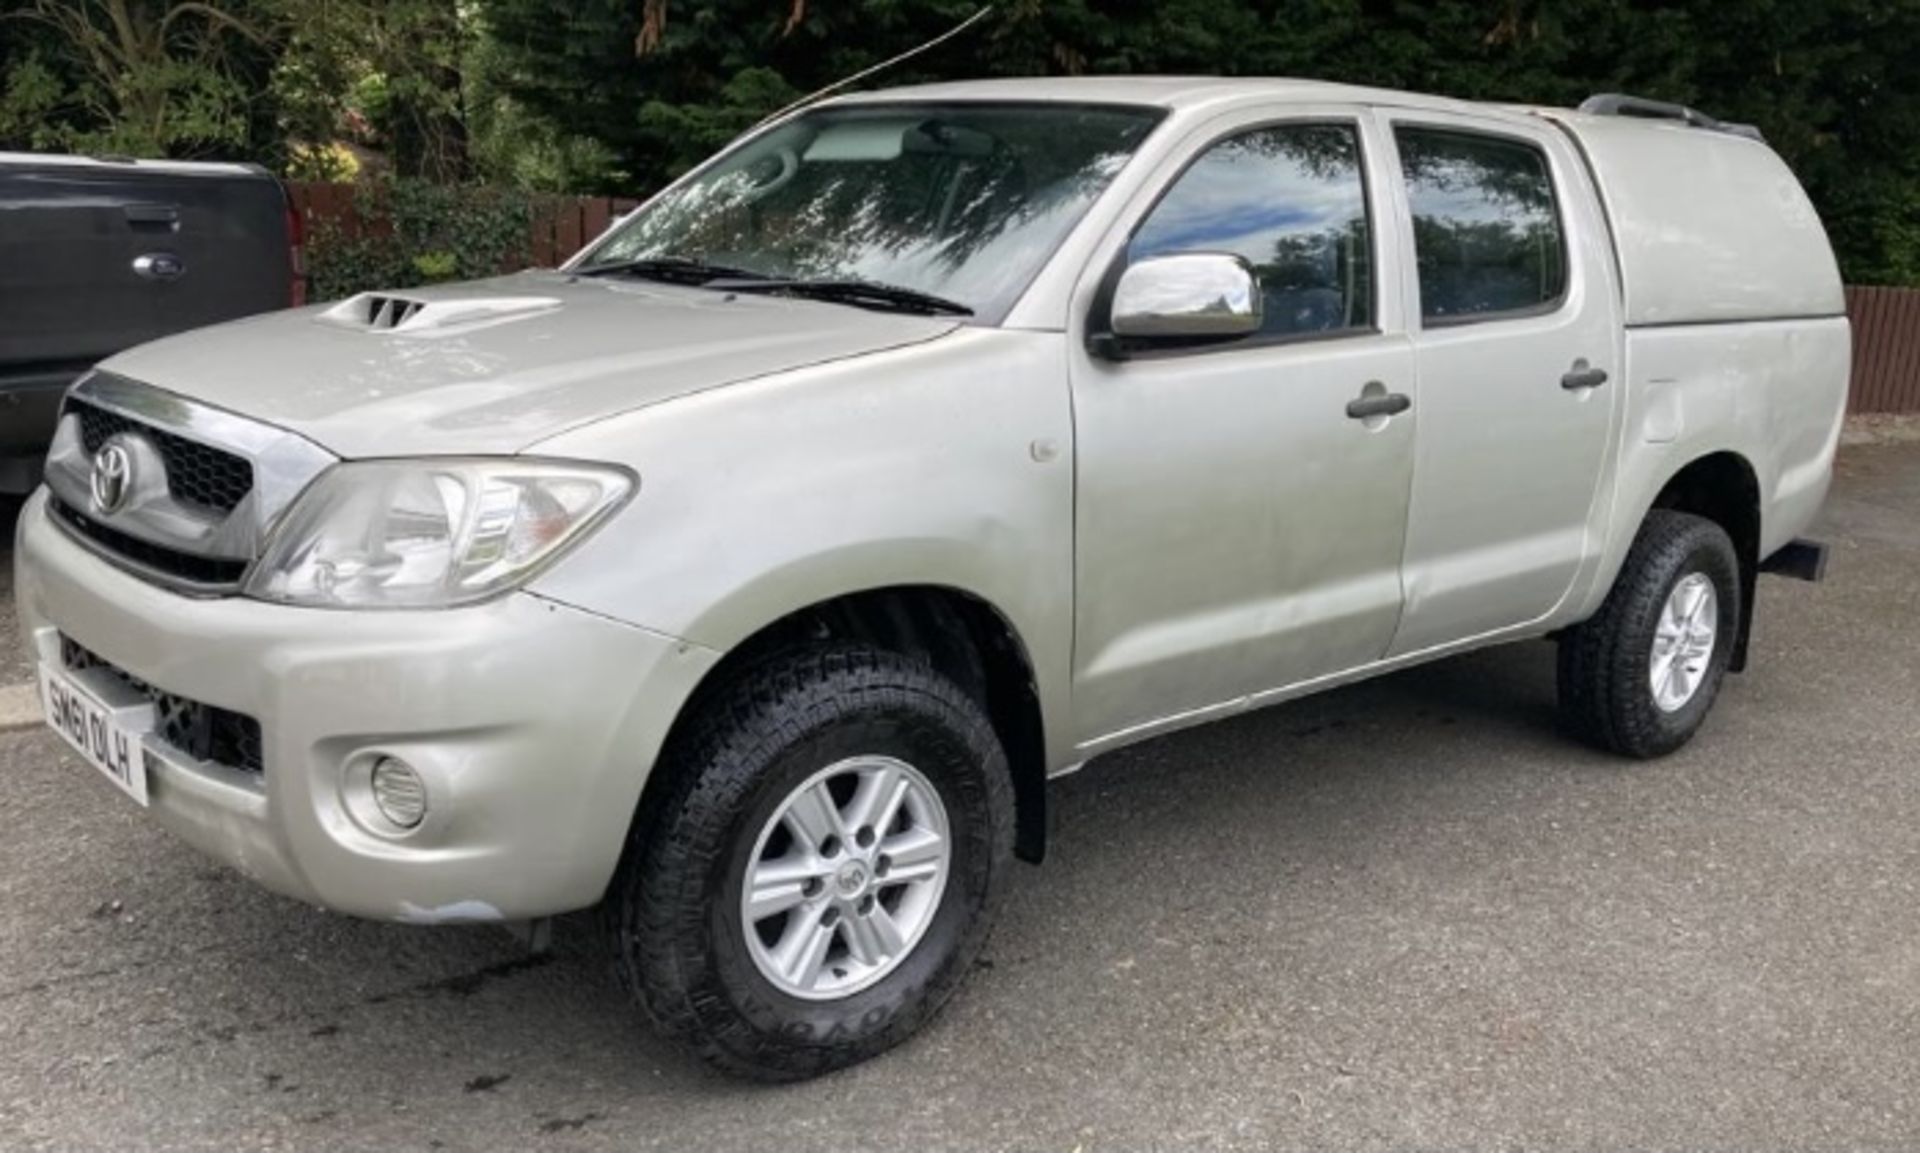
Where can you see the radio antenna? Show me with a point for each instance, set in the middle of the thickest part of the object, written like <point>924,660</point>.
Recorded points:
<point>909,54</point>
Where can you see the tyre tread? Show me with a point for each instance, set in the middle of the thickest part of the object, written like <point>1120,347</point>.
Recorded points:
<point>708,769</point>
<point>1603,698</point>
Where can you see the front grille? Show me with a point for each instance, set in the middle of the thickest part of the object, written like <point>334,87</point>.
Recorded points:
<point>197,474</point>
<point>186,566</point>
<point>203,732</point>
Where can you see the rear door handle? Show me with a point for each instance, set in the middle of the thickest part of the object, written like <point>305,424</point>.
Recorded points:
<point>1582,376</point>
<point>162,214</point>
<point>1380,404</point>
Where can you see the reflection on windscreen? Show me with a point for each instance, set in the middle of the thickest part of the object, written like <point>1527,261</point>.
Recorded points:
<point>962,201</point>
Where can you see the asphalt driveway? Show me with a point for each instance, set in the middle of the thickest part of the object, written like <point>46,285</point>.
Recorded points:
<point>1406,914</point>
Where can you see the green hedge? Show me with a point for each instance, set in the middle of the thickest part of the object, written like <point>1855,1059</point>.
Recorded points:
<point>402,233</point>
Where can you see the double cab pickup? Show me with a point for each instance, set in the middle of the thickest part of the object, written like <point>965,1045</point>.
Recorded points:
<point>750,575</point>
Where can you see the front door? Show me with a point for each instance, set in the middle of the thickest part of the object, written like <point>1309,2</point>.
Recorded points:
<point>1236,529</point>
<point>1519,362</point>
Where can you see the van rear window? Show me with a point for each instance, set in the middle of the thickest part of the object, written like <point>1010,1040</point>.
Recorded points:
<point>1487,235</point>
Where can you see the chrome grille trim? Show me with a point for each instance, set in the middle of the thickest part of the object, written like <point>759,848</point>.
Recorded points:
<point>196,473</point>
<point>161,520</point>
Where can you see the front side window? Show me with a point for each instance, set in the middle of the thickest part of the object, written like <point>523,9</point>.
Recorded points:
<point>1289,200</point>
<point>1486,230</point>
<point>959,201</point>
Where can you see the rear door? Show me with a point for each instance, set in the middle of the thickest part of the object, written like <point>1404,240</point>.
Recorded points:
<point>102,256</point>
<point>68,295</point>
<point>1516,335</point>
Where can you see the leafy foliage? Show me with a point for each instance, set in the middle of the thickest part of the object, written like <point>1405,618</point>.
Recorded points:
<point>404,232</point>
<point>31,96</point>
<point>395,65</point>
<point>619,96</point>
<point>1831,83</point>
<point>142,79</point>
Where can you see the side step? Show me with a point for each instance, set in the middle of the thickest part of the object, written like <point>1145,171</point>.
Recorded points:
<point>1801,559</point>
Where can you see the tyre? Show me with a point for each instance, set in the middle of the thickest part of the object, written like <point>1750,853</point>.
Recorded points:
<point>1639,677</point>
<point>820,869</point>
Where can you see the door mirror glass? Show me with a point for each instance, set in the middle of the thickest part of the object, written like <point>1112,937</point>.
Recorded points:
<point>1187,296</point>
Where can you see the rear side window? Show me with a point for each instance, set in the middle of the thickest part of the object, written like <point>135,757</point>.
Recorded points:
<point>1486,230</point>
<point>1289,200</point>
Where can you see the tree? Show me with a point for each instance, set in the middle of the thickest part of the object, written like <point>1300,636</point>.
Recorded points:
<point>150,79</point>
<point>622,95</point>
<point>397,65</point>
<point>1831,83</point>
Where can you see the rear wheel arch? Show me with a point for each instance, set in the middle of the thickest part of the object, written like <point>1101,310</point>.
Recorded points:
<point>1724,488</point>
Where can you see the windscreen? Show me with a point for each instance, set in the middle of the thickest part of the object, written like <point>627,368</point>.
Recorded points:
<point>961,201</point>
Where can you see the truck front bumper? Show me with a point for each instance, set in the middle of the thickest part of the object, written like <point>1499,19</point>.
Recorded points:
<point>533,726</point>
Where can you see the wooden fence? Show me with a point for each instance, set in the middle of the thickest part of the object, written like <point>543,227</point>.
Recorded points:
<point>561,226</point>
<point>1886,321</point>
<point>1886,349</point>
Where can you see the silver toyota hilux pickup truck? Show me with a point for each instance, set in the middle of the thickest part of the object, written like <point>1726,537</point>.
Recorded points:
<point>749,576</point>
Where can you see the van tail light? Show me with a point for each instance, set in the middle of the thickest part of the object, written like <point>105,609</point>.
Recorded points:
<point>296,255</point>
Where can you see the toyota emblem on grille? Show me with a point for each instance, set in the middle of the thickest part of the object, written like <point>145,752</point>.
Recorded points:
<point>112,477</point>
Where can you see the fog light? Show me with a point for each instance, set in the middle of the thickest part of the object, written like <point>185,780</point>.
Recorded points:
<point>398,792</point>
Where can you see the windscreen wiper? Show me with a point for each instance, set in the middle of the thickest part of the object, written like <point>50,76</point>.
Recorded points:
<point>860,293</point>
<point>672,269</point>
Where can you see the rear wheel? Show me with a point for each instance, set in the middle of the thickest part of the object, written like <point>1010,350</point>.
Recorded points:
<point>819,872</point>
<point>1639,677</point>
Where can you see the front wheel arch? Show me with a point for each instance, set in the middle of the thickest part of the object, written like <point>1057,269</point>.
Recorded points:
<point>962,636</point>
<point>673,913</point>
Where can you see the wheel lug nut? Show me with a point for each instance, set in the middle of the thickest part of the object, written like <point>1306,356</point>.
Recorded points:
<point>830,918</point>
<point>865,836</point>
<point>866,905</point>
<point>830,847</point>
<point>812,887</point>
<point>883,866</point>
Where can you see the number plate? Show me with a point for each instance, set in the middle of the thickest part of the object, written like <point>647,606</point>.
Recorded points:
<point>106,734</point>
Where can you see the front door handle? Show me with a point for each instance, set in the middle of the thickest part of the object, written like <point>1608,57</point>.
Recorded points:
<point>1583,377</point>
<point>1378,404</point>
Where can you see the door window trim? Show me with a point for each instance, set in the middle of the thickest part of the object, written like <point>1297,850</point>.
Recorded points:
<point>1102,344</point>
<point>1419,321</point>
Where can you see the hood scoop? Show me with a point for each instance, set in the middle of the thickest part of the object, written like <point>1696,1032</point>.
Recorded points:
<point>392,312</point>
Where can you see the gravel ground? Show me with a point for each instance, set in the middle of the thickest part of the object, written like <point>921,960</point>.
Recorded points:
<point>1401,915</point>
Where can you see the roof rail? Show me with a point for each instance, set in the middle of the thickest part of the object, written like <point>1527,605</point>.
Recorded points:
<point>1617,104</point>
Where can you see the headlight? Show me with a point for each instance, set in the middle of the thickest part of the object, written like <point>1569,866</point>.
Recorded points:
<point>430,533</point>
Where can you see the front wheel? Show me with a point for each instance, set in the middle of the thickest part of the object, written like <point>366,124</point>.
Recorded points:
<point>1639,676</point>
<point>818,874</point>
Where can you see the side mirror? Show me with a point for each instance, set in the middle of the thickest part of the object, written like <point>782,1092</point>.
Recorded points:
<point>1186,296</point>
